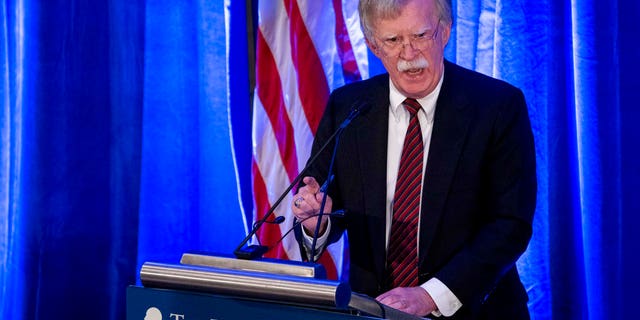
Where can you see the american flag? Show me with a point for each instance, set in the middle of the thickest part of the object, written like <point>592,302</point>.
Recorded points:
<point>304,49</point>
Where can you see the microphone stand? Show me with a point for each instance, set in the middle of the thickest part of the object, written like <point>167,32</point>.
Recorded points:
<point>325,187</point>
<point>325,190</point>
<point>253,252</point>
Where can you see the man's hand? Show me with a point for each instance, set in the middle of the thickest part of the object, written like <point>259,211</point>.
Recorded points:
<point>306,203</point>
<point>412,300</point>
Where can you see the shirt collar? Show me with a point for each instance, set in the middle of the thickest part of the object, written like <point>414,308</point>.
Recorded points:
<point>428,102</point>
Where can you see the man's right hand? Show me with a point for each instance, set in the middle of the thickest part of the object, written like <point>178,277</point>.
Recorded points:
<point>306,204</point>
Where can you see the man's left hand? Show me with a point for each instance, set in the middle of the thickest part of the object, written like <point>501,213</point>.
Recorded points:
<point>412,300</point>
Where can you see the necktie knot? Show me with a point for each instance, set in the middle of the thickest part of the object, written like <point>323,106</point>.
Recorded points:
<point>412,105</point>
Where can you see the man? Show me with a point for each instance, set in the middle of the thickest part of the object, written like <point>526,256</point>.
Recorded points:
<point>437,178</point>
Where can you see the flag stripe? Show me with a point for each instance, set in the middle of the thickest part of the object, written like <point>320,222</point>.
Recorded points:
<point>274,25</point>
<point>270,170</point>
<point>312,84</point>
<point>326,260</point>
<point>345,51</point>
<point>268,233</point>
<point>270,93</point>
<point>358,43</point>
<point>321,29</point>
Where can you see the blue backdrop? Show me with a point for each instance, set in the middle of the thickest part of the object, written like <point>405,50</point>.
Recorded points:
<point>121,120</point>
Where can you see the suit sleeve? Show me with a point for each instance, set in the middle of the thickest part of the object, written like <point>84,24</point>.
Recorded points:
<point>508,203</point>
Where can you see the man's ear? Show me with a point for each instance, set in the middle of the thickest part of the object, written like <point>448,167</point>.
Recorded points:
<point>446,33</point>
<point>373,47</point>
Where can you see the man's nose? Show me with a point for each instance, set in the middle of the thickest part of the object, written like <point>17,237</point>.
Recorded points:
<point>408,51</point>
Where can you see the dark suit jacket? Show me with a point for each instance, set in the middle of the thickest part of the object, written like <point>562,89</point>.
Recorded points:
<point>478,197</point>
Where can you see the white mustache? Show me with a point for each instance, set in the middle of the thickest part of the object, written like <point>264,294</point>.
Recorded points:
<point>418,63</point>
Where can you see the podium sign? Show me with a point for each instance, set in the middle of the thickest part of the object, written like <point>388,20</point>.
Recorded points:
<point>167,304</point>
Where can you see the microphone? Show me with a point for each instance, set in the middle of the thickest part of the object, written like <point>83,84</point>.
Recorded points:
<point>256,251</point>
<point>277,220</point>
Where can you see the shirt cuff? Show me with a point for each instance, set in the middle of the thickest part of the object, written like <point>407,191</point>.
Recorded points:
<point>322,240</point>
<point>444,299</point>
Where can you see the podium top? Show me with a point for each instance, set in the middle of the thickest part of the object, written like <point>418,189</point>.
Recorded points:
<point>265,265</point>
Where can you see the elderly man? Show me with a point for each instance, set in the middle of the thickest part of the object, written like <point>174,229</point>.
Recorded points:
<point>437,178</point>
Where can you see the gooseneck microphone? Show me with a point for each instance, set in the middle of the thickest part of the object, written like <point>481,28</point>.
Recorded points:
<point>256,251</point>
<point>277,220</point>
<point>325,187</point>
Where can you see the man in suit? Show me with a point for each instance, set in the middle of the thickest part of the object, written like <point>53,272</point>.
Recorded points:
<point>437,178</point>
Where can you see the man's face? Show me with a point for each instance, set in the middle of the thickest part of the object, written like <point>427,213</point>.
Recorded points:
<point>411,47</point>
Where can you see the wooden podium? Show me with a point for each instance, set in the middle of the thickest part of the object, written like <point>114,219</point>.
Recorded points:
<point>220,288</point>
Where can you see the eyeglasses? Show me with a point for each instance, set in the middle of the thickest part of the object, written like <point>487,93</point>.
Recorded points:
<point>394,45</point>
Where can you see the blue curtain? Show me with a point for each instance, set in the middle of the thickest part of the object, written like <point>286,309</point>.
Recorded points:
<point>125,131</point>
<point>71,109</point>
<point>115,148</point>
<point>576,62</point>
<point>188,195</point>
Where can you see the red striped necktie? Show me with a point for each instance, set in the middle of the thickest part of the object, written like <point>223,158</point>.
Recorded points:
<point>402,254</point>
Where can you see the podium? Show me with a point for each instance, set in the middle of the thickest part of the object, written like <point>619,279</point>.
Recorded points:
<point>142,303</point>
<point>220,288</point>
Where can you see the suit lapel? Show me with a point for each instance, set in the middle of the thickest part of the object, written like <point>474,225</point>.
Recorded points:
<point>451,122</point>
<point>372,148</point>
